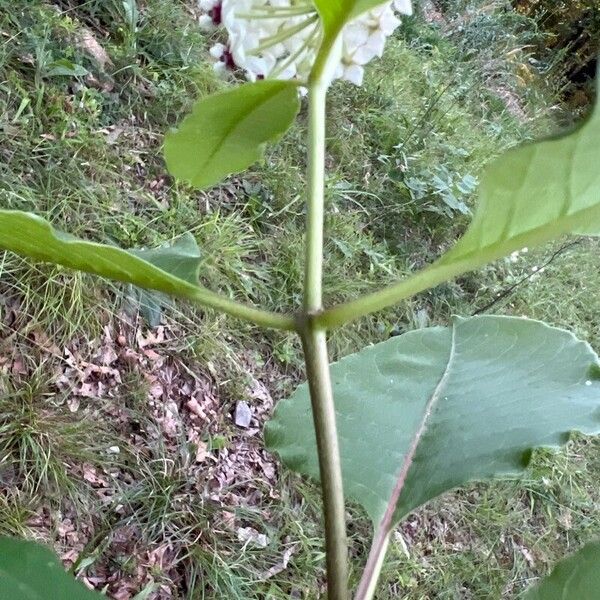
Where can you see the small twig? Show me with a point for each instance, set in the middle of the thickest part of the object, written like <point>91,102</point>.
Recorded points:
<point>526,278</point>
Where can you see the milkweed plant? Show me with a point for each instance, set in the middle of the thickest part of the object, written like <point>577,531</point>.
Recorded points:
<point>408,419</point>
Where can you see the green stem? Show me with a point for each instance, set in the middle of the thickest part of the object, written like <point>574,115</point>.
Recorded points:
<point>313,274</point>
<point>368,583</point>
<point>264,318</point>
<point>314,343</point>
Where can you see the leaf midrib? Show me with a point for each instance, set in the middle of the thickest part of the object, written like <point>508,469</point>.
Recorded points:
<point>388,518</point>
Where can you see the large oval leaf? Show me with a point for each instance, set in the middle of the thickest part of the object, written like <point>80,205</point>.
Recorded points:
<point>435,408</point>
<point>171,270</point>
<point>530,195</point>
<point>574,578</point>
<point>226,132</point>
<point>30,571</point>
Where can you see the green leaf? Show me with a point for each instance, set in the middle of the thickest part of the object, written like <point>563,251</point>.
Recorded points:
<point>529,196</point>
<point>148,303</point>
<point>30,571</point>
<point>446,406</point>
<point>536,193</point>
<point>181,258</point>
<point>31,236</point>
<point>226,132</point>
<point>574,578</point>
<point>65,67</point>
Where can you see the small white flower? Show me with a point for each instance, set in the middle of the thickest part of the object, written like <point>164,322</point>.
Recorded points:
<point>218,51</point>
<point>220,68</point>
<point>206,23</point>
<point>207,5</point>
<point>280,38</point>
<point>353,73</point>
<point>403,6</point>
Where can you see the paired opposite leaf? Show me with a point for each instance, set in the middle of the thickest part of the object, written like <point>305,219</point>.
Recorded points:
<point>226,132</point>
<point>536,193</point>
<point>182,259</point>
<point>530,195</point>
<point>30,571</point>
<point>172,271</point>
<point>473,400</point>
<point>574,578</point>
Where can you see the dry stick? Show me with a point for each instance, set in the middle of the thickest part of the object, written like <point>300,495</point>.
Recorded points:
<point>523,280</point>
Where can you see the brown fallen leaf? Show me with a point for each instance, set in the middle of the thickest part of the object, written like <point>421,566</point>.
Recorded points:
<point>250,535</point>
<point>280,566</point>
<point>243,415</point>
<point>89,44</point>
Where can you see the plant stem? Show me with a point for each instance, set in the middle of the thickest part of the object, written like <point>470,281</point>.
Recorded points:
<point>258,316</point>
<point>370,578</point>
<point>314,342</point>
<point>313,268</point>
<point>317,370</point>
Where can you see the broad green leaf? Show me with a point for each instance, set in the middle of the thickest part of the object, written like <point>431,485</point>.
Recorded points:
<point>148,303</point>
<point>30,571</point>
<point>574,578</point>
<point>226,132</point>
<point>182,259</point>
<point>536,193</point>
<point>448,405</point>
<point>67,68</point>
<point>529,196</point>
<point>171,271</point>
<point>31,236</point>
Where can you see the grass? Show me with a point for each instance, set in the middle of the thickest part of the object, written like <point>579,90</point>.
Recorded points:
<point>85,153</point>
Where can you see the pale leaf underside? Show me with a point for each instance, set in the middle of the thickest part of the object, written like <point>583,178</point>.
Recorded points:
<point>446,406</point>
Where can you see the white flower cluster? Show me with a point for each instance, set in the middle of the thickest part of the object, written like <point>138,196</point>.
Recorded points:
<point>279,39</point>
